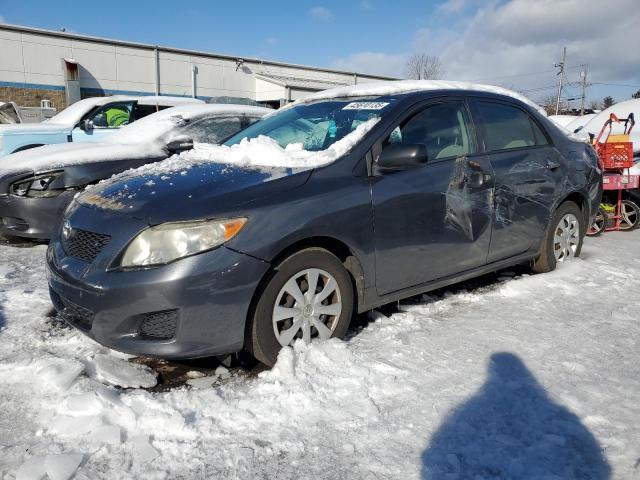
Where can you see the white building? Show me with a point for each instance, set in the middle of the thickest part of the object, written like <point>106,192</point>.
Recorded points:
<point>62,67</point>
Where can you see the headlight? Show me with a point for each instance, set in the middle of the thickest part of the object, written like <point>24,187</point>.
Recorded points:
<point>170,241</point>
<point>37,186</point>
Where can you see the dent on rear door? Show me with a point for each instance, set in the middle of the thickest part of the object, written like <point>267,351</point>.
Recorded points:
<point>525,194</point>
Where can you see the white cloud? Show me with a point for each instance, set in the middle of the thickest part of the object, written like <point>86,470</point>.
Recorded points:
<point>366,4</point>
<point>504,42</point>
<point>374,63</point>
<point>452,6</point>
<point>523,36</point>
<point>321,13</point>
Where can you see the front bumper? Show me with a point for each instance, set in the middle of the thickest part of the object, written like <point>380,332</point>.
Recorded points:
<point>194,307</point>
<point>32,217</point>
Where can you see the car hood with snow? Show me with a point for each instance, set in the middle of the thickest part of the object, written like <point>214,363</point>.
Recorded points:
<point>208,177</point>
<point>204,190</point>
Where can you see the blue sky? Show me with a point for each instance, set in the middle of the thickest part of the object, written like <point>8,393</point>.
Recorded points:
<point>513,43</point>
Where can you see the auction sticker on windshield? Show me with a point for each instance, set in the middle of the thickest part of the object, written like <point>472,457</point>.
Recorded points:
<point>365,106</point>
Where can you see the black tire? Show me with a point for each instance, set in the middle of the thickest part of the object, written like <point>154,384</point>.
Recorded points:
<point>599,224</point>
<point>632,219</point>
<point>546,261</point>
<point>261,340</point>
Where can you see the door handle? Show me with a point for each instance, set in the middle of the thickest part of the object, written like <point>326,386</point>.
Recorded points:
<point>552,165</point>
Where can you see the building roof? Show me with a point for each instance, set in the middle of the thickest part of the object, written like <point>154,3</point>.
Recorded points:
<point>300,83</point>
<point>110,41</point>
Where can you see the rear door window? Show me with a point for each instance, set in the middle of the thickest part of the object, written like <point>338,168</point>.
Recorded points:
<point>444,129</point>
<point>507,127</point>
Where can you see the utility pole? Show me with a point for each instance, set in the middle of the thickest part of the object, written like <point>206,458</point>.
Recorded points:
<point>583,82</point>
<point>561,66</point>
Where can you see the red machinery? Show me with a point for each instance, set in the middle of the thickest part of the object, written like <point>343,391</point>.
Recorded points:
<point>615,154</point>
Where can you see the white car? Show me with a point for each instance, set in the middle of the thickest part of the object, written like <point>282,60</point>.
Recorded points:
<point>37,185</point>
<point>88,120</point>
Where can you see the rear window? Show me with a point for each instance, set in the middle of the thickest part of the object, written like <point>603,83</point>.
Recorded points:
<point>507,127</point>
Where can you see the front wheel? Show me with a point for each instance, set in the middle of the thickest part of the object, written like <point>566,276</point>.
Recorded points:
<point>309,296</point>
<point>564,238</point>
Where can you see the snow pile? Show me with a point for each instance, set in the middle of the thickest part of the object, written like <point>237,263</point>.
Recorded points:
<point>407,86</point>
<point>260,152</point>
<point>622,111</point>
<point>484,380</point>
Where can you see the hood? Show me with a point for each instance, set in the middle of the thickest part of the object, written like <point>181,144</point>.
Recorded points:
<point>62,155</point>
<point>201,191</point>
<point>34,128</point>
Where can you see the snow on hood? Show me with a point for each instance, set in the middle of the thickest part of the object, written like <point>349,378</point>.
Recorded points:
<point>52,157</point>
<point>408,86</point>
<point>563,120</point>
<point>261,152</point>
<point>622,111</point>
<point>33,128</point>
<point>579,122</point>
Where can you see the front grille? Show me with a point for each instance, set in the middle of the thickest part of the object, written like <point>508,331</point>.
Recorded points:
<point>82,244</point>
<point>159,325</point>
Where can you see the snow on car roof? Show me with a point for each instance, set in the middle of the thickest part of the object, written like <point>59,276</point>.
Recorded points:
<point>155,125</point>
<point>409,86</point>
<point>74,112</point>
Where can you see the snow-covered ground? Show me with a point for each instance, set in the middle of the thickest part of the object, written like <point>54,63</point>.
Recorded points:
<point>514,376</point>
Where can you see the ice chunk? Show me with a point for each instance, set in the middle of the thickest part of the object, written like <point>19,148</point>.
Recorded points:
<point>122,373</point>
<point>202,382</point>
<point>61,467</point>
<point>32,469</point>
<point>109,434</point>
<point>67,426</point>
<point>60,373</point>
<point>143,450</point>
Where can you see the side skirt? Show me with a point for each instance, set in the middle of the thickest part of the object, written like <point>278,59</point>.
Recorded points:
<point>445,281</point>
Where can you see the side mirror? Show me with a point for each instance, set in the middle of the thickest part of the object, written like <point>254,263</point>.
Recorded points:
<point>179,144</point>
<point>86,125</point>
<point>402,157</point>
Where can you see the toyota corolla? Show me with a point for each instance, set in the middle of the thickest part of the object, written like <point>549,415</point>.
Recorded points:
<point>350,199</point>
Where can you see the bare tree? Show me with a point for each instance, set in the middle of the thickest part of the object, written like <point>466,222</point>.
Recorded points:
<point>549,104</point>
<point>421,66</point>
<point>595,105</point>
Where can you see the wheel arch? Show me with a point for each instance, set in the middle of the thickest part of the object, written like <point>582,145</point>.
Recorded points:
<point>579,199</point>
<point>331,244</point>
<point>28,147</point>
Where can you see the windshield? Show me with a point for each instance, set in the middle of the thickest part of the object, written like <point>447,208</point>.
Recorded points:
<point>315,126</point>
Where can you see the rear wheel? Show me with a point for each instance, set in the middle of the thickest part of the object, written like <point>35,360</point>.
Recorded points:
<point>599,223</point>
<point>309,296</point>
<point>564,238</point>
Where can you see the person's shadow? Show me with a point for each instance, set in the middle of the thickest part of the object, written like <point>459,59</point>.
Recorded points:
<point>511,429</point>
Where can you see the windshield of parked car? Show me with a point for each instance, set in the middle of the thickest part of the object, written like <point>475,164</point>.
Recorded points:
<point>315,126</point>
